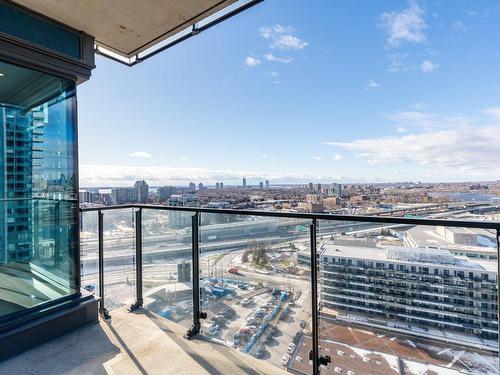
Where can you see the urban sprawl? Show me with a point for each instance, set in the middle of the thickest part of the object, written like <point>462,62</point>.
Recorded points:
<point>394,298</point>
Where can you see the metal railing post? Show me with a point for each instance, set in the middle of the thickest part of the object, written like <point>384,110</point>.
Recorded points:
<point>498,287</point>
<point>314,298</point>
<point>317,359</point>
<point>138,261</point>
<point>102,309</point>
<point>197,313</point>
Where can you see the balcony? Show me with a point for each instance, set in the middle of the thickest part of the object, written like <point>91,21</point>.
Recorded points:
<point>211,291</point>
<point>251,300</point>
<point>133,343</point>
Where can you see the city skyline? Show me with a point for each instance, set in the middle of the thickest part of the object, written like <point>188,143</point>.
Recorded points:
<point>290,113</point>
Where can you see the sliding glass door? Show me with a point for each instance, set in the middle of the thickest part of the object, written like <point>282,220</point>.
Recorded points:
<point>38,189</point>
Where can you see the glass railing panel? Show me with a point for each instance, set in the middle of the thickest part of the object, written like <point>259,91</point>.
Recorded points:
<point>255,290</point>
<point>408,299</point>
<point>89,251</point>
<point>167,264</point>
<point>119,258</point>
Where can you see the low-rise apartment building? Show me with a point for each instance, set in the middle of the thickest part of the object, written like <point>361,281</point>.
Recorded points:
<point>413,289</point>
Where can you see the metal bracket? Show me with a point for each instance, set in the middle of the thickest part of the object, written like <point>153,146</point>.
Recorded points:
<point>136,305</point>
<point>104,313</point>
<point>193,331</point>
<point>196,328</point>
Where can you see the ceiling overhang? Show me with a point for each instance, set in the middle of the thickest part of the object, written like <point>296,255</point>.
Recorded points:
<point>129,30</point>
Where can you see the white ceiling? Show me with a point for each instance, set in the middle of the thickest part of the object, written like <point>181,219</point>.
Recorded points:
<point>127,27</point>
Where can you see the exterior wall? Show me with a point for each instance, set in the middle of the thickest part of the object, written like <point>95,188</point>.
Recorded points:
<point>388,292</point>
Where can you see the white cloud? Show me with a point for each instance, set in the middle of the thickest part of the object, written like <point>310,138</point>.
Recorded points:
<point>267,156</point>
<point>405,26</point>
<point>113,175</point>
<point>252,61</point>
<point>284,60</point>
<point>397,62</point>
<point>418,120</point>
<point>140,154</point>
<point>401,129</point>
<point>318,158</point>
<point>268,32</point>
<point>288,42</point>
<point>281,37</point>
<point>273,74</point>
<point>493,112</point>
<point>428,66</point>
<point>457,146</point>
<point>459,26</point>
<point>372,85</point>
<point>419,106</point>
<point>337,157</point>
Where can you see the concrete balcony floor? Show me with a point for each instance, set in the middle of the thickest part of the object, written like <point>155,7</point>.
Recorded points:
<point>134,343</point>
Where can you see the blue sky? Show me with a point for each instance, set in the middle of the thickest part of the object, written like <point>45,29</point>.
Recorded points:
<point>299,91</point>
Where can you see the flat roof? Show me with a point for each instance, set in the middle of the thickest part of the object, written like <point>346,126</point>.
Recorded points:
<point>380,254</point>
<point>429,237</point>
<point>128,27</point>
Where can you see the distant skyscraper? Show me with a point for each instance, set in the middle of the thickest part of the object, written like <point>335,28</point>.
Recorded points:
<point>261,185</point>
<point>179,219</point>
<point>123,195</point>
<point>336,190</point>
<point>142,191</point>
<point>318,187</point>
<point>267,184</point>
<point>222,185</point>
<point>192,186</point>
<point>311,186</point>
<point>165,192</point>
<point>244,183</point>
<point>200,186</point>
<point>217,185</point>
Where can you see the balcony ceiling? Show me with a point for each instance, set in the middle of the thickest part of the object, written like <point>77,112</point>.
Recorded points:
<point>127,27</point>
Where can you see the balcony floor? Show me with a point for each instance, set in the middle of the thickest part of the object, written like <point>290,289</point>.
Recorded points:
<point>134,343</point>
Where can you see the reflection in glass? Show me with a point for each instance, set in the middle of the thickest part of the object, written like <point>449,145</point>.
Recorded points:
<point>38,226</point>
<point>255,286</point>
<point>408,297</point>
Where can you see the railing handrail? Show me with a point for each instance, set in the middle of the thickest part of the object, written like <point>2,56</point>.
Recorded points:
<point>495,225</point>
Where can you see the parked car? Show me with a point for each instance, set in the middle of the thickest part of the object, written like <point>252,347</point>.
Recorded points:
<point>259,353</point>
<point>285,359</point>
<point>290,348</point>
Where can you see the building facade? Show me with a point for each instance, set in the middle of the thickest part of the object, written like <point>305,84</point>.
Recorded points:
<point>411,289</point>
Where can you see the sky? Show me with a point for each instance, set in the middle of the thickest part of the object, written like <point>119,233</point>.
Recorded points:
<point>297,91</point>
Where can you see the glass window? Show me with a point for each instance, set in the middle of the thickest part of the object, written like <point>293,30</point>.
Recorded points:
<point>38,218</point>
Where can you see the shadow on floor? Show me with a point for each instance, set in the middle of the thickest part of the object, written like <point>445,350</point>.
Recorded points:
<point>198,357</point>
<point>84,351</point>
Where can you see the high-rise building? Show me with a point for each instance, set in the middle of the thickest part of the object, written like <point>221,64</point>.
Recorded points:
<point>311,186</point>
<point>267,184</point>
<point>165,192</point>
<point>261,185</point>
<point>217,185</point>
<point>16,154</point>
<point>142,191</point>
<point>192,186</point>
<point>335,190</point>
<point>123,195</point>
<point>222,185</point>
<point>200,186</point>
<point>244,183</point>
<point>180,219</point>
